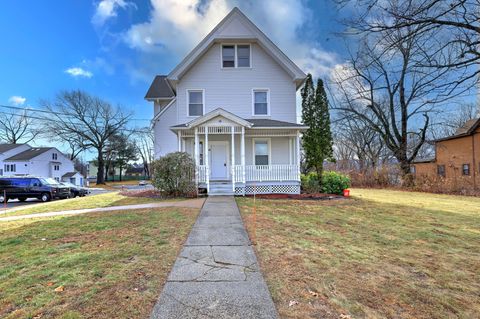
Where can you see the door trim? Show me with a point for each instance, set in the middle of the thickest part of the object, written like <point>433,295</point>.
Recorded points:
<point>227,144</point>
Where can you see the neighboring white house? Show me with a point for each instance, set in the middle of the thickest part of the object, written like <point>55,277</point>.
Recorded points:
<point>38,161</point>
<point>234,95</point>
<point>8,150</point>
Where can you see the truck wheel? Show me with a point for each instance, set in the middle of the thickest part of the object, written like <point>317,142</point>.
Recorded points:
<point>45,197</point>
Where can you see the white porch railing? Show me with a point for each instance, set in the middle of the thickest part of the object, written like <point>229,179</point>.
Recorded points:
<point>202,173</point>
<point>257,173</point>
<point>262,173</point>
<point>238,173</point>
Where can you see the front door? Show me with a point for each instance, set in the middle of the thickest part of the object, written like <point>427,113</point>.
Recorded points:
<point>218,160</point>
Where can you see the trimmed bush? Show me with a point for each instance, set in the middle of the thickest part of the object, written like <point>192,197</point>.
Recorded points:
<point>174,175</point>
<point>332,183</point>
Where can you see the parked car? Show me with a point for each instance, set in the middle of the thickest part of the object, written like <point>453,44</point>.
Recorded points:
<point>22,188</point>
<point>142,183</point>
<point>75,190</point>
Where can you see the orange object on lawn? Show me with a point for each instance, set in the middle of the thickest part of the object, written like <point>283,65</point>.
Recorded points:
<point>346,192</point>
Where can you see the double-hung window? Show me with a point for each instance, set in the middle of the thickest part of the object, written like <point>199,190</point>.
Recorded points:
<point>195,102</point>
<point>228,56</point>
<point>10,168</point>
<point>261,151</point>
<point>466,169</point>
<point>236,56</point>
<point>260,102</point>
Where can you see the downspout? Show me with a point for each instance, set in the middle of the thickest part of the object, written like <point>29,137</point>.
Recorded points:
<point>474,163</point>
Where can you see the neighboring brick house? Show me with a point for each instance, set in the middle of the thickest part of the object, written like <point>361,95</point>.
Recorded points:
<point>457,157</point>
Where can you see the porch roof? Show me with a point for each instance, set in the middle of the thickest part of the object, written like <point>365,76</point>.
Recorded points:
<point>255,124</point>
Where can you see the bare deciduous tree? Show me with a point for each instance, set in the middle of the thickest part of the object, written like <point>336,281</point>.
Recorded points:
<point>453,24</point>
<point>144,139</point>
<point>17,128</point>
<point>87,121</point>
<point>387,86</point>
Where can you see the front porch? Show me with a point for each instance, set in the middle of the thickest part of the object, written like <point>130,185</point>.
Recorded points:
<point>235,157</point>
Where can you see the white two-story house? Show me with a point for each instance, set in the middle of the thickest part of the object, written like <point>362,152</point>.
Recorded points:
<point>231,104</point>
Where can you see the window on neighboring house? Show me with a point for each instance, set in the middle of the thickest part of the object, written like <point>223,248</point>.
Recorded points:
<point>54,156</point>
<point>243,56</point>
<point>260,102</point>
<point>466,169</point>
<point>10,168</point>
<point>441,170</point>
<point>195,103</point>
<point>261,152</point>
<point>413,169</point>
<point>56,167</point>
<point>57,179</point>
<point>228,56</point>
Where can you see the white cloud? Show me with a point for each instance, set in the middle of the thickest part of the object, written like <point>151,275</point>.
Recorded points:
<point>177,26</point>
<point>79,72</point>
<point>17,100</point>
<point>106,9</point>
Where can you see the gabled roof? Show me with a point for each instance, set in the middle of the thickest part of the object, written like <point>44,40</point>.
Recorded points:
<point>251,33</point>
<point>160,89</point>
<point>218,112</point>
<point>7,147</point>
<point>28,154</point>
<point>69,174</point>
<point>467,129</point>
<point>249,123</point>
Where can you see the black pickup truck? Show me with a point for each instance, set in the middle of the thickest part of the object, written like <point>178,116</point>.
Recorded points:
<point>22,188</point>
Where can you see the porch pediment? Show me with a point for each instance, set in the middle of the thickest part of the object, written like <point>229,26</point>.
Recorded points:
<point>219,117</point>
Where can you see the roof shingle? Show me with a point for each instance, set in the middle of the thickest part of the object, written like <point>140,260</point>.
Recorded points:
<point>160,88</point>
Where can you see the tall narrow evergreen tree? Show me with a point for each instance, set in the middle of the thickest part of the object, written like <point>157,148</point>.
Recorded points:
<point>317,140</point>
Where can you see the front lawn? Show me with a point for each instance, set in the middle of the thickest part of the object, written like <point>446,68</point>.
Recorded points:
<point>93,201</point>
<point>104,265</point>
<point>380,254</point>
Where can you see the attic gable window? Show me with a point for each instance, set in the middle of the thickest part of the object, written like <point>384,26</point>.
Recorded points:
<point>236,56</point>
<point>228,56</point>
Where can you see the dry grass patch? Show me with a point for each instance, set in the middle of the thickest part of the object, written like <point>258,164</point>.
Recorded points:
<point>109,265</point>
<point>93,201</point>
<point>381,254</point>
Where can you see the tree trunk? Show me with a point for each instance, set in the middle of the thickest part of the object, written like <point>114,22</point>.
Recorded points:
<point>121,172</point>
<point>319,170</point>
<point>101,168</point>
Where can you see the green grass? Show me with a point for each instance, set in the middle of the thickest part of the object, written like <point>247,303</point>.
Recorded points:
<point>111,264</point>
<point>381,254</point>
<point>95,201</point>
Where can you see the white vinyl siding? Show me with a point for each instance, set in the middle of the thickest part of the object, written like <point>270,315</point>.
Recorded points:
<point>231,88</point>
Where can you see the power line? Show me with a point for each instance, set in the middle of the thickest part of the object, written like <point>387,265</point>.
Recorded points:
<point>53,112</point>
<point>56,121</point>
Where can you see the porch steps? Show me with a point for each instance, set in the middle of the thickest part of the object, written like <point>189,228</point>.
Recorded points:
<point>220,189</point>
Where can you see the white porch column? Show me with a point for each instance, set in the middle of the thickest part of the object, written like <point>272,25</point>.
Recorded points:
<point>298,154</point>
<point>233,159</point>
<point>242,154</point>
<point>207,163</point>
<point>196,149</point>
<point>179,137</point>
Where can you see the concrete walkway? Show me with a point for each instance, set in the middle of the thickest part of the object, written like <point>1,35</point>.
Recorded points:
<point>190,203</point>
<point>216,274</point>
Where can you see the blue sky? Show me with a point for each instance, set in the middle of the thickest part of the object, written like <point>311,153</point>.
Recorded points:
<point>113,48</point>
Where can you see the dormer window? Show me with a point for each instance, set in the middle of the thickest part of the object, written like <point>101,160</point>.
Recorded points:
<point>236,56</point>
